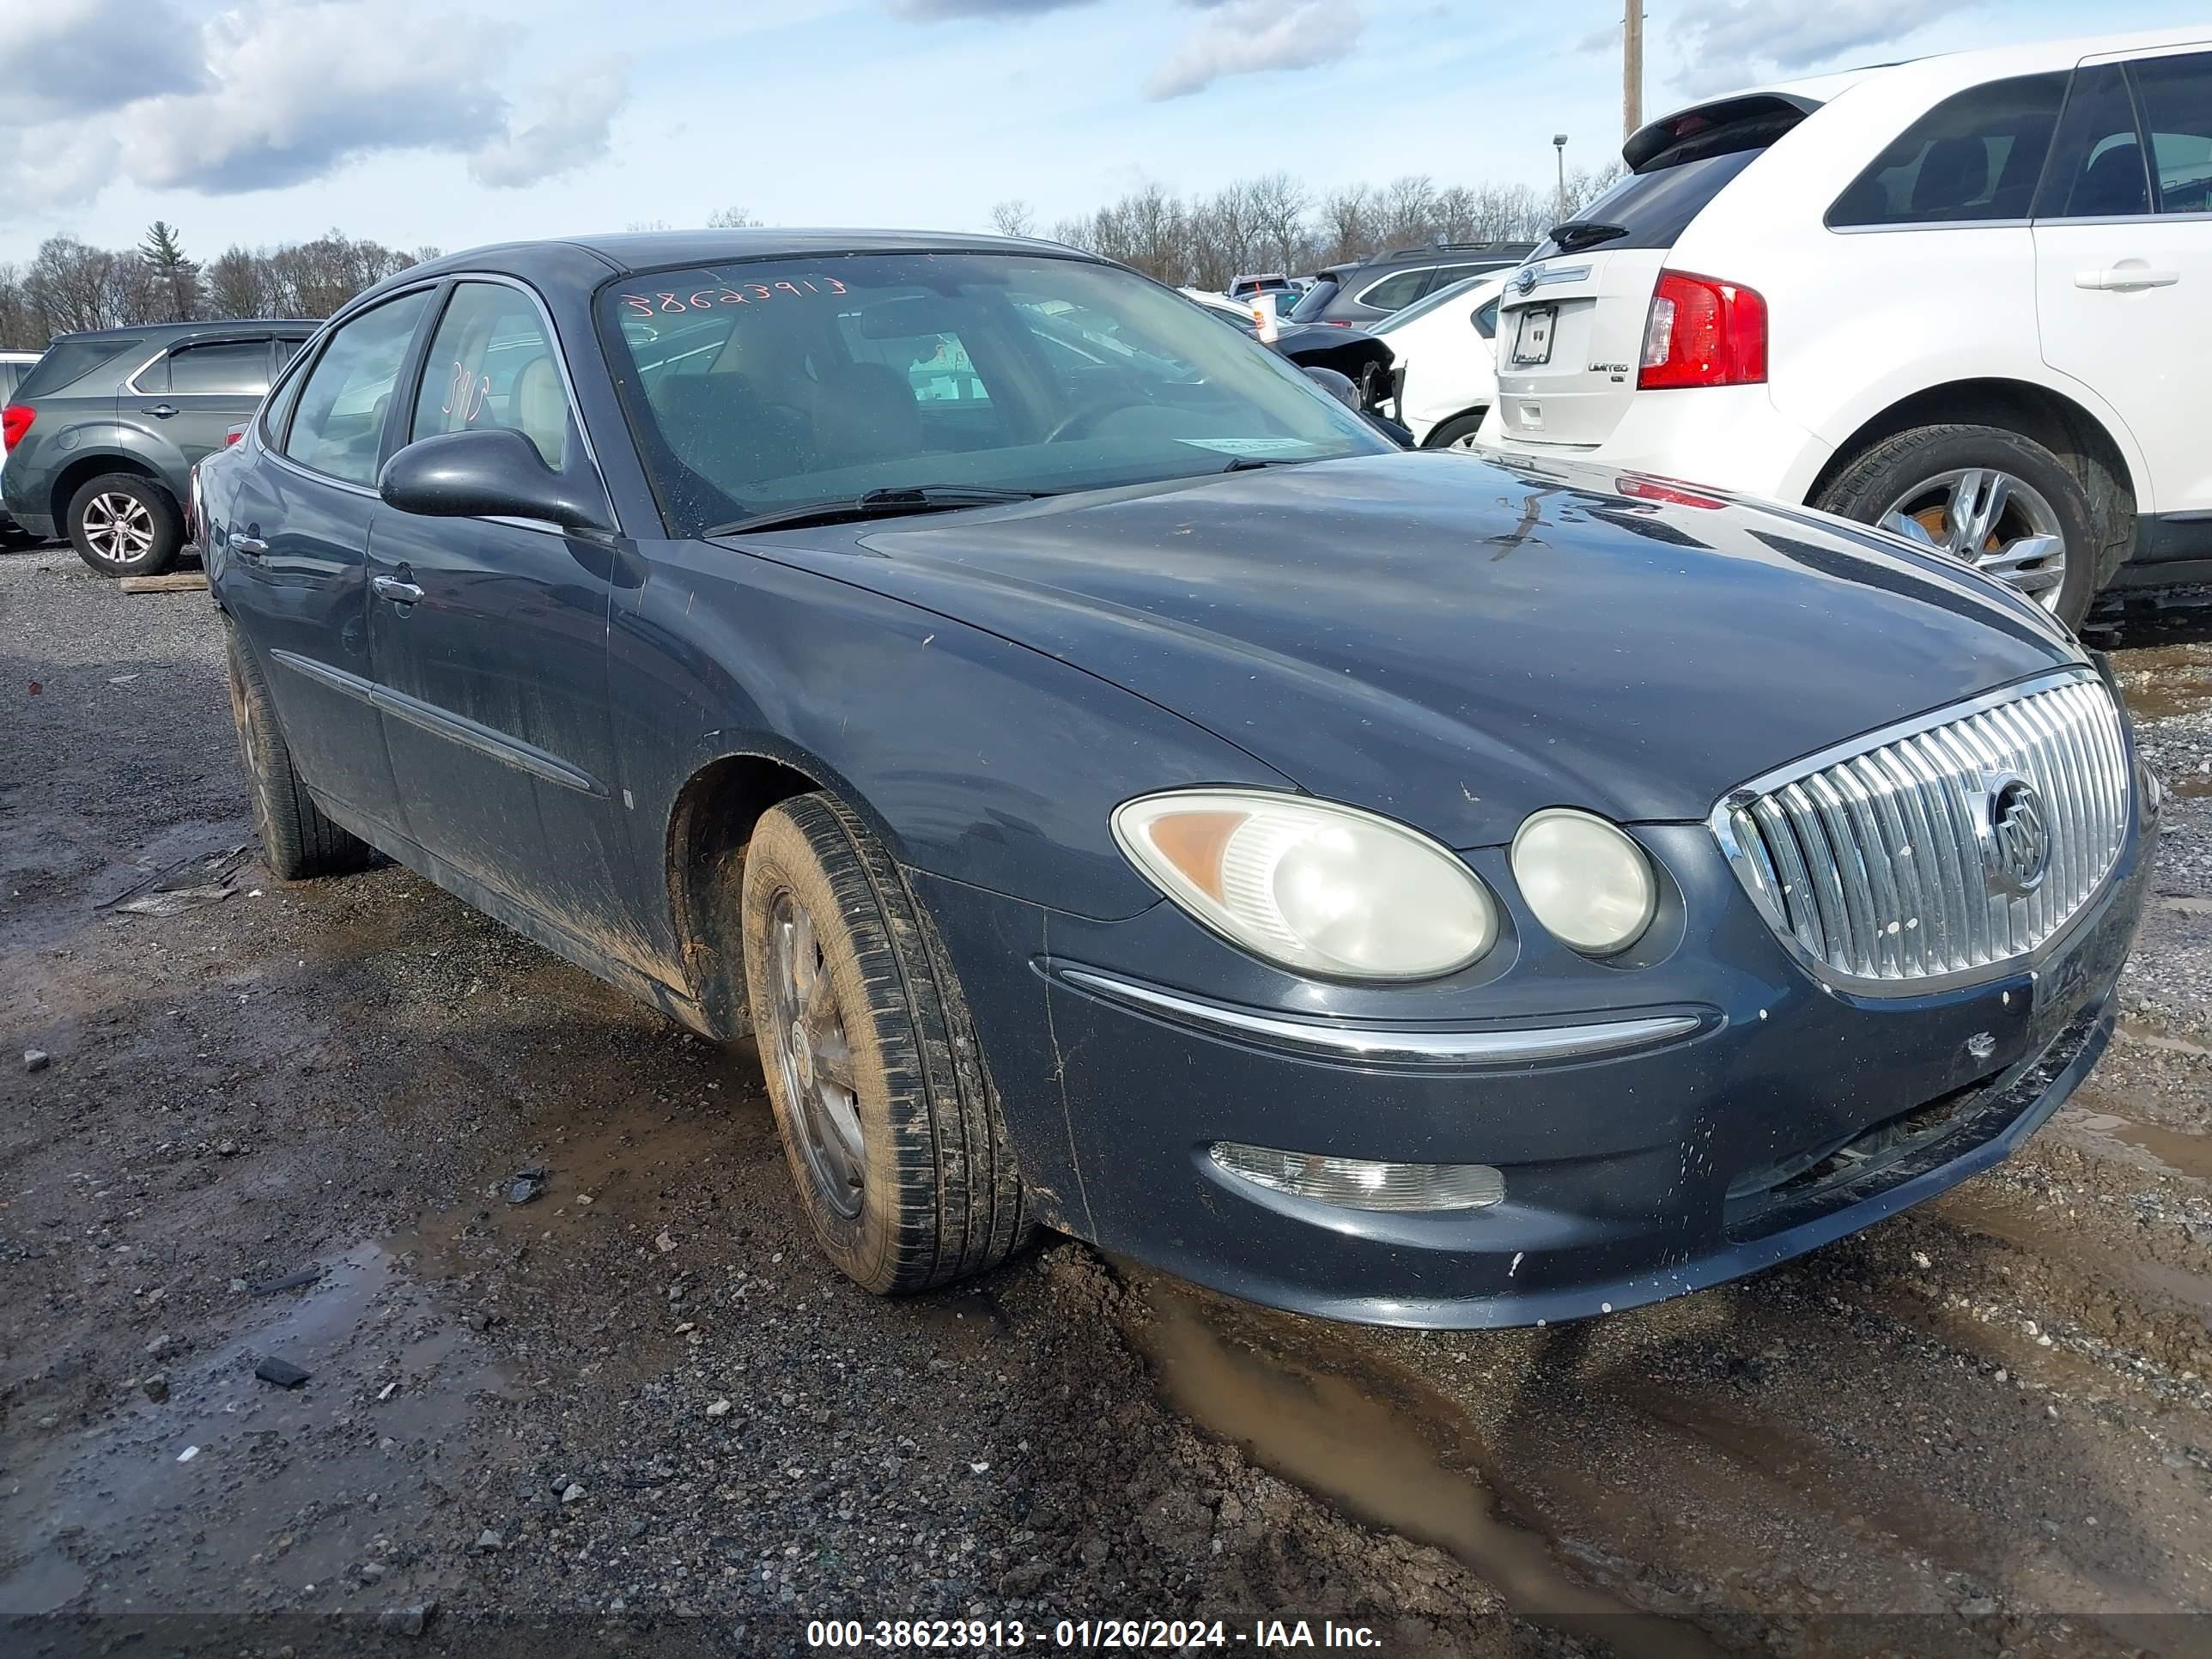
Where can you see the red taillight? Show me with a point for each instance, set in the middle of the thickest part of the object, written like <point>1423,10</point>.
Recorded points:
<point>14,420</point>
<point>1702,331</point>
<point>234,435</point>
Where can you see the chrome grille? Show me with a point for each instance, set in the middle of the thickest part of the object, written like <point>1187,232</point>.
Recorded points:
<point>1871,858</point>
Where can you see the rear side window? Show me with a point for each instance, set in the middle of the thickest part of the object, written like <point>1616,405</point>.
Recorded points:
<point>67,361</point>
<point>238,367</point>
<point>338,427</point>
<point>2176,95</point>
<point>1977,156</point>
<point>1485,321</point>
<point>1400,288</point>
<point>2098,172</point>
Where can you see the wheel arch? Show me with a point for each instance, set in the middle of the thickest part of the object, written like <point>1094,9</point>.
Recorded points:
<point>1473,412</point>
<point>710,823</point>
<point>2063,424</point>
<point>83,469</point>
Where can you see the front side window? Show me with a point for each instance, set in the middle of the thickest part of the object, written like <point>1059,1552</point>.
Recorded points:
<point>762,387</point>
<point>2176,95</point>
<point>2097,167</point>
<point>492,364</point>
<point>338,427</point>
<point>1975,156</point>
<point>238,368</point>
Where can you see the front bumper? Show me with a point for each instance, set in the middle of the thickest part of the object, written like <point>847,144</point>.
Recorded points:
<point>1782,1116</point>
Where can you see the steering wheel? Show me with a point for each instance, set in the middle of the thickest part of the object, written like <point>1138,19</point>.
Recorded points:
<point>1078,421</point>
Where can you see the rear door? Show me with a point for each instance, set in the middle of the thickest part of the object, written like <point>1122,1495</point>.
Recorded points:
<point>1570,322</point>
<point>289,557</point>
<point>196,393</point>
<point>2124,257</point>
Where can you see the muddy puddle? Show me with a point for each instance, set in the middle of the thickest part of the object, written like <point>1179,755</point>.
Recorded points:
<point>1385,1448</point>
<point>2168,681</point>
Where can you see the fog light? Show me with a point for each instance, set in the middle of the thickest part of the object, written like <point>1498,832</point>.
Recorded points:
<point>1359,1184</point>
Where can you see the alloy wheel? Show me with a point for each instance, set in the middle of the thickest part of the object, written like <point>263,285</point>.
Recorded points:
<point>118,528</point>
<point>806,1032</point>
<point>1995,521</point>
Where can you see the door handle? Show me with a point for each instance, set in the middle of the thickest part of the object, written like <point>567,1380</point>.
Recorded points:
<point>391,588</point>
<point>162,411</point>
<point>2125,279</point>
<point>247,546</point>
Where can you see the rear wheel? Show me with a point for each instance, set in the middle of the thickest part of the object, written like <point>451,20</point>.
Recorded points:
<point>123,524</point>
<point>1457,433</point>
<point>886,1114</point>
<point>297,841</point>
<point>1989,497</point>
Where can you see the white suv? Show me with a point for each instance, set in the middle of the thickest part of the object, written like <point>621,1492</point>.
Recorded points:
<point>1967,298</point>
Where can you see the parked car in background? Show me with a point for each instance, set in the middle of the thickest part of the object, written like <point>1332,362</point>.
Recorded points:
<point>102,433</point>
<point>13,365</point>
<point>1364,291</point>
<point>1443,373</point>
<point>1968,299</point>
<point>1141,799</point>
<point>1244,288</point>
<point>1361,362</point>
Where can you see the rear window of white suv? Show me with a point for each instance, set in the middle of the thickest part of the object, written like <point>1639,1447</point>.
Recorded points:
<point>1679,165</point>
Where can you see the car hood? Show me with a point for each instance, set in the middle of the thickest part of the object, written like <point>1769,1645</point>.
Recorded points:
<point>1456,641</point>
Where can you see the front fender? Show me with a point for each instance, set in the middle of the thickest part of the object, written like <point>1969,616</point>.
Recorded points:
<point>978,760</point>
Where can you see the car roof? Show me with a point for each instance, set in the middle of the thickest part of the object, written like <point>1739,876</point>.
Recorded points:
<point>1971,67</point>
<point>653,250</point>
<point>176,330</point>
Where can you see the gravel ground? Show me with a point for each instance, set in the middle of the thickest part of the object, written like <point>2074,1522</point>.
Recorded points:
<point>639,1411</point>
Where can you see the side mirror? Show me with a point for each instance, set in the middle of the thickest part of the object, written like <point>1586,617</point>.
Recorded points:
<point>493,473</point>
<point>1339,386</point>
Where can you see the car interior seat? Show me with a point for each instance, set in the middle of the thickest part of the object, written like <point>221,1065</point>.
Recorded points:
<point>2114,183</point>
<point>1954,175</point>
<point>538,407</point>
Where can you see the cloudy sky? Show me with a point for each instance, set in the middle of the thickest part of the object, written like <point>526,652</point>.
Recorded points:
<point>455,122</point>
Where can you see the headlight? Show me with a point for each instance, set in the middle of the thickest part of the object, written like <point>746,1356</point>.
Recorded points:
<point>1310,884</point>
<point>1585,880</point>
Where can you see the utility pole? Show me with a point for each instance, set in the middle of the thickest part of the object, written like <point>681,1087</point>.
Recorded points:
<point>1632,69</point>
<point>1560,144</point>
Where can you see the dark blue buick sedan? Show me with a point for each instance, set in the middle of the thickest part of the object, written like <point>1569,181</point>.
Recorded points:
<point>1121,791</point>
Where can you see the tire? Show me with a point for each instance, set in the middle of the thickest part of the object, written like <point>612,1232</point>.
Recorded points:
<point>888,1118</point>
<point>1449,434</point>
<point>1932,465</point>
<point>297,841</point>
<point>123,524</point>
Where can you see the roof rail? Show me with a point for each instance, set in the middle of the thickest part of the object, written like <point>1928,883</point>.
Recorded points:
<point>1501,248</point>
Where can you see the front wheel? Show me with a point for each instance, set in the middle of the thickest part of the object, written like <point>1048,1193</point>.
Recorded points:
<point>1989,497</point>
<point>880,1094</point>
<point>123,524</point>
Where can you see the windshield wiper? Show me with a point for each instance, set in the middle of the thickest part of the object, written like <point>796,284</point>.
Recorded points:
<point>886,503</point>
<point>1252,463</point>
<point>1576,234</point>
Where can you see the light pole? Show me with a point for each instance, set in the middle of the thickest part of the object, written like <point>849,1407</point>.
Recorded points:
<point>1560,144</point>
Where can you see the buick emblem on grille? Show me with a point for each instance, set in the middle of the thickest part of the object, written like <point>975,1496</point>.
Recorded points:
<point>2016,835</point>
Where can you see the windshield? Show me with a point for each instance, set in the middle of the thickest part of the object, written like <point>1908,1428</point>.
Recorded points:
<point>762,387</point>
<point>1437,302</point>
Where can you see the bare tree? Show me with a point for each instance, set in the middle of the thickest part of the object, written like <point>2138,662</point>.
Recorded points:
<point>1014,217</point>
<point>731,218</point>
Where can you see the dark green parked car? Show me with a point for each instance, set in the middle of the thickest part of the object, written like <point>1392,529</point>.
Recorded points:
<point>102,433</point>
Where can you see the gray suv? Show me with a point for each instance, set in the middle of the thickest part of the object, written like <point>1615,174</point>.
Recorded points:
<point>102,433</point>
<point>1358,292</point>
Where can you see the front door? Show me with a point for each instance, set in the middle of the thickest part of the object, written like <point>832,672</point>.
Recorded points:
<point>2123,258</point>
<point>489,637</point>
